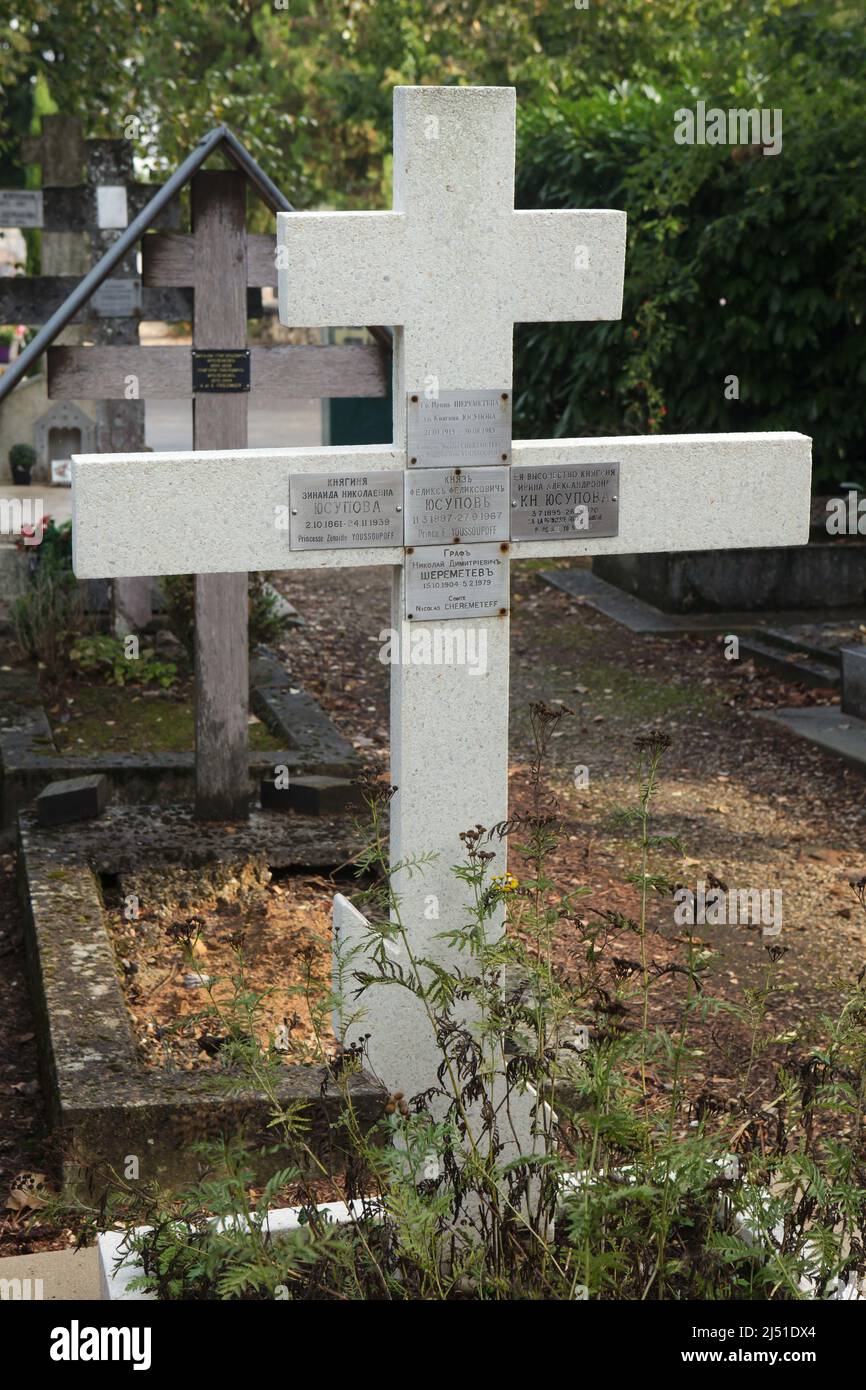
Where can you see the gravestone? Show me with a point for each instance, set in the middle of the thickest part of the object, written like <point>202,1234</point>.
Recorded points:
<point>854,680</point>
<point>62,431</point>
<point>453,266</point>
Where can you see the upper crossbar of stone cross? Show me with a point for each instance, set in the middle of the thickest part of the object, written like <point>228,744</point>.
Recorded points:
<point>454,265</point>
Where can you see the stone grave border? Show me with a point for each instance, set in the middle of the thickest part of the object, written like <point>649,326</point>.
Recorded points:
<point>103,1103</point>
<point>29,759</point>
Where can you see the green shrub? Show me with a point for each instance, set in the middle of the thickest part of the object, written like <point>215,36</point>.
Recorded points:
<point>52,614</point>
<point>120,663</point>
<point>22,456</point>
<point>738,264</point>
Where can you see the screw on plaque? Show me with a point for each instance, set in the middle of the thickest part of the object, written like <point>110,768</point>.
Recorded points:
<point>503,612</point>
<point>504,545</point>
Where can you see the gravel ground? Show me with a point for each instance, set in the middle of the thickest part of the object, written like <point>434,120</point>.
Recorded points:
<point>751,804</point>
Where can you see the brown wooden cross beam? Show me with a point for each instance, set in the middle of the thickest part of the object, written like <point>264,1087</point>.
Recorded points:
<point>219,260</point>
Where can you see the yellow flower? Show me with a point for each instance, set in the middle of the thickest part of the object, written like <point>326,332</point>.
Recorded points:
<point>505,883</point>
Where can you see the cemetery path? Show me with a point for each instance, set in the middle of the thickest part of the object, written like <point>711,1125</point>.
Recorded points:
<point>750,804</point>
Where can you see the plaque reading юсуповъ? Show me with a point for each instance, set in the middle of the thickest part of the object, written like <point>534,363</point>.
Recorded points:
<point>331,511</point>
<point>457,505</point>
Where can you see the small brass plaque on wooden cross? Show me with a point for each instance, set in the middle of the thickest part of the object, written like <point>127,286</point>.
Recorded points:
<point>220,370</point>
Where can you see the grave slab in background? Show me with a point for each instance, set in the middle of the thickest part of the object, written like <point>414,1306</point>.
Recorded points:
<point>638,616</point>
<point>29,760</point>
<point>828,573</point>
<point>827,727</point>
<point>854,679</point>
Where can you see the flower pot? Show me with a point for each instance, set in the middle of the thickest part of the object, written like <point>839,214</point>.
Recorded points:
<point>20,475</point>
<point>5,352</point>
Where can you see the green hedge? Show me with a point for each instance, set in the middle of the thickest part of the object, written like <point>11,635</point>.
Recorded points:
<point>738,264</point>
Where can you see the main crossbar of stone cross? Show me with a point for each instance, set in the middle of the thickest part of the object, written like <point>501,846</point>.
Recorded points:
<point>453,267</point>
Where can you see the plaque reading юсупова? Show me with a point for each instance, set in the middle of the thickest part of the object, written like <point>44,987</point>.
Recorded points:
<point>456,581</point>
<point>457,505</point>
<point>220,371</point>
<point>564,501</point>
<point>456,428</point>
<point>330,511</point>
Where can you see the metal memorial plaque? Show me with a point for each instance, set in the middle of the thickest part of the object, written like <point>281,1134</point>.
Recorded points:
<point>117,299</point>
<point>456,428</point>
<point>456,581</point>
<point>220,371</point>
<point>332,511</point>
<point>112,208</point>
<point>21,207</point>
<point>565,501</point>
<point>450,507</point>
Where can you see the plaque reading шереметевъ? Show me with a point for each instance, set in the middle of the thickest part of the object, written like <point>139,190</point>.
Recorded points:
<point>334,511</point>
<point>453,506</point>
<point>564,501</point>
<point>453,429</point>
<point>456,581</point>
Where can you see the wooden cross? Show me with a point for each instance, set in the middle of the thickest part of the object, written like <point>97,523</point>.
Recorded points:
<point>221,262</point>
<point>454,266</point>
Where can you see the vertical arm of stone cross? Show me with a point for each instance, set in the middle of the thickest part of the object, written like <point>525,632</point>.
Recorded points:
<point>453,178</point>
<point>453,268</point>
<point>222,790</point>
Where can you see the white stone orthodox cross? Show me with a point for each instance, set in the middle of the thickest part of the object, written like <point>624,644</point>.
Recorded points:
<point>453,267</point>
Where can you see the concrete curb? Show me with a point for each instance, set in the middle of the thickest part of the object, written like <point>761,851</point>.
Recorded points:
<point>105,1104</point>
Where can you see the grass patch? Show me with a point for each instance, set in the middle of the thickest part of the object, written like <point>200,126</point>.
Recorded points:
<point>641,696</point>
<point>109,719</point>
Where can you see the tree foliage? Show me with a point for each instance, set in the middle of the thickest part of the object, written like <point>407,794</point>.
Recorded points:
<point>739,265</point>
